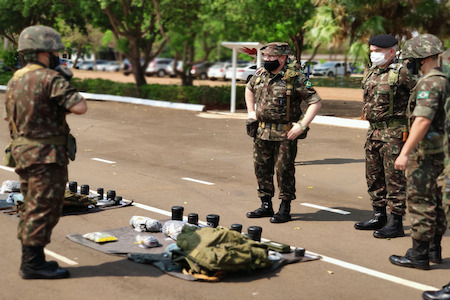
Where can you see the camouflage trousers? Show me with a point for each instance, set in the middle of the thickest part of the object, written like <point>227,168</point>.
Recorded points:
<point>42,187</point>
<point>446,199</point>
<point>280,156</point>
<point>386,185</point>
<point>424,197</point>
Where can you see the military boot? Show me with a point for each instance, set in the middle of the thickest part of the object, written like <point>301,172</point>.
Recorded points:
<point>415,257</point>
<point>265,210</point>
<point>443,294</point>
<point>378,220</point>
<point>436,250</point>
<point>34,265</point>
<point>283,215</point>
<point>392,229</point>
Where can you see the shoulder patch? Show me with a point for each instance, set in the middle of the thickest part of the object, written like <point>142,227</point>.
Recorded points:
<point>308,84</point>
<point>423,95</point>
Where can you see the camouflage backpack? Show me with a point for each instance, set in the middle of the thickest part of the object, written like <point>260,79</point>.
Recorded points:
<point>209,250</point>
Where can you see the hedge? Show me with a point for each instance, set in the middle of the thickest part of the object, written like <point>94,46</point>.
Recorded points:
<point>213,97</point>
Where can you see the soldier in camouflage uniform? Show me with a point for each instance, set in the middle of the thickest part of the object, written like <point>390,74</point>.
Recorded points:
<point>278,90</point>
<point>37,100</point>
<point>422,155</point>
<point>386,92</point>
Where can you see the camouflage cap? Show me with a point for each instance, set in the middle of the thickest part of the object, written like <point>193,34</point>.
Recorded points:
<point>276,49</point>
<point>422,46</point>
<point>39,38</point>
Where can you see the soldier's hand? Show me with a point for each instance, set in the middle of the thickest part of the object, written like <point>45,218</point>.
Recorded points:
<point>401,162</point>
<point>295,131</point>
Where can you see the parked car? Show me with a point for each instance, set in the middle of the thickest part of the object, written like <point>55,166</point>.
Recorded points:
<point>219,69</point>
<point>200,70</point>
<point>111,66</point>
<point>169,69</point>
<point>331,68</point>
<point>158,67</point>
<point>89,65</point>
<point>243,72</point>
<point>311,64</point>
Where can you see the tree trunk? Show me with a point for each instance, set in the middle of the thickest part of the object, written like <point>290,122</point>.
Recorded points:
<point>134,56</point>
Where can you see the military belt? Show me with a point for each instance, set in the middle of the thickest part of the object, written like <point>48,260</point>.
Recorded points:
<point>275,126</point>
<point>392,123</point>
<point>54,140</point>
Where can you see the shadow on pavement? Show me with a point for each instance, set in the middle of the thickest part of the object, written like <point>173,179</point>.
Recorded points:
<point>330,161</point>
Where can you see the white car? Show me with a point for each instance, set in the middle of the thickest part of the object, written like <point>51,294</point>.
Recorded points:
<point>169,69</point>
<point>218,70</point>
<point>112,66</point>
<point>331,68</point>
<point>243,72</point>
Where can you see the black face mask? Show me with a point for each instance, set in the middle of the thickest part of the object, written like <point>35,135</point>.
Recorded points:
<point>53,61</point>
<point>271,65</point>
<point>413,66</point>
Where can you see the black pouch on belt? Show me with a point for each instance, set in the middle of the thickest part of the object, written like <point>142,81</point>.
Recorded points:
<point>252,127</point>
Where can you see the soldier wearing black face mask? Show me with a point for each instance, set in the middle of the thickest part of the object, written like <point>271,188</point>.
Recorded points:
<point>277,90</point>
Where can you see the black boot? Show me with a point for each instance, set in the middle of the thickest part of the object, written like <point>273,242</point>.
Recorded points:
<point>283,215</point>
<point>378,220</point>
<point>34,265</point>
<point>392,229</point>
<point>415,257</point>
<point>265,210</point>
<point>436,250</point>
<point>443,294</point>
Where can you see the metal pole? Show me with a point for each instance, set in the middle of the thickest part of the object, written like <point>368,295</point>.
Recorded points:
<point>233,83</point>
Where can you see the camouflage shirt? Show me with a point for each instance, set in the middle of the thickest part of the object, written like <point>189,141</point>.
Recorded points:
<point>377,92</point>
<point>270,98</point>
<point>38,99</point>
<point>428,100</point>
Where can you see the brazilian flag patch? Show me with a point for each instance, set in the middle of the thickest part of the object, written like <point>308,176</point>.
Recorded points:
<point>308,84</point>
<point>423,95</point>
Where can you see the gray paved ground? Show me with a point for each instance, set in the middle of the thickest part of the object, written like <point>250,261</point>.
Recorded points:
<point>154,148</point>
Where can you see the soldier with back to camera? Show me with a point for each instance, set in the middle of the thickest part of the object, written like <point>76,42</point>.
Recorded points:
<point>37,100</point>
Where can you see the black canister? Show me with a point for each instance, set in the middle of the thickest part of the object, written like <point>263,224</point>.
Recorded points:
<point>84,189</point>
<point>73,186</point>
<point>236,227</point>
<point>177,213</point>
<point>100,193</point>
<point>110,195</point>
<point>212,220</point>
<point>254,233</point>
<point>118,199</point>
<point>299,252</point>
<point>193,218</point>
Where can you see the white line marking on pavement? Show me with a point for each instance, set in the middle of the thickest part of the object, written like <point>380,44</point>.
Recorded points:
<point>330,260</point>
<point>104,160</point>
<point>338,211</point>
<point>7,168</point>
<point>60,257</point>
<point>377,274</point>
<point>198,181</point>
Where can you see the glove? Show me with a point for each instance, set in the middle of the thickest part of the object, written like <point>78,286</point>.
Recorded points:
<point>252,127</point>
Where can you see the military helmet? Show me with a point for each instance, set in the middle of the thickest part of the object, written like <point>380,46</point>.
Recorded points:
<point>39,39</point>
<point>422,46</point>
<point>276,49</point>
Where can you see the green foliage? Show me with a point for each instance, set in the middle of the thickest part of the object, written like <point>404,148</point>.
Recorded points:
<point>5,77</point>
<point>9,58</point>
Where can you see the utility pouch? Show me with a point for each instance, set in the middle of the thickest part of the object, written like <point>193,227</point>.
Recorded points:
<point>252,127</point>
<point>8,158</point>
<point>71,146</point>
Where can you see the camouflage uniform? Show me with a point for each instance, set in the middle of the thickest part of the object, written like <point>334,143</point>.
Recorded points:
<point>385,137</point>
<point>446,188</point>
<point>271,147</point>
<point>37,99</point>
<point>427,161</point>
